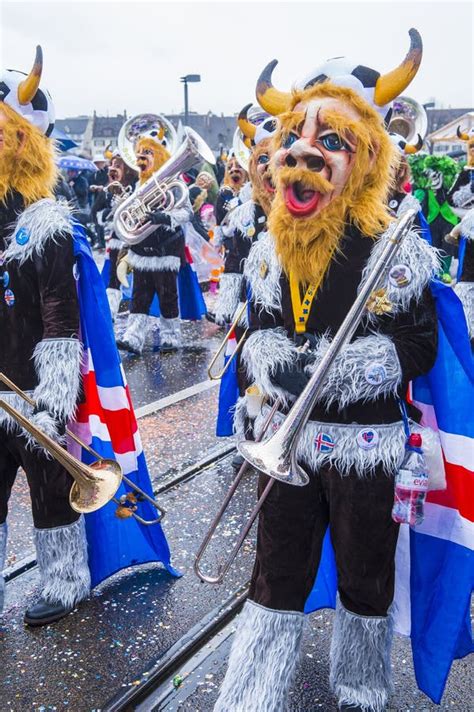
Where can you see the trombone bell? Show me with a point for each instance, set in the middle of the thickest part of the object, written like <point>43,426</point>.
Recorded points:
<point>106,478</point>
<point>266,457</point>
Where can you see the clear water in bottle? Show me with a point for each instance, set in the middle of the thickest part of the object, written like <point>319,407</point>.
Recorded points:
<point>411,484</point>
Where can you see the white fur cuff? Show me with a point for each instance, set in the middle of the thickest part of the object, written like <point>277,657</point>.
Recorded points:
<point>58,366</point>
<point>364,370</point>
<point>168,263</point>
<point>265,351</point>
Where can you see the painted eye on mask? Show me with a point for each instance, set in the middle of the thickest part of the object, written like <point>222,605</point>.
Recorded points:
<point>290,140</point>
<point>263,159</point>
<point>332,142</point>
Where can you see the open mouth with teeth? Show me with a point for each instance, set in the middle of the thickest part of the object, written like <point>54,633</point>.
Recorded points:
<point>300,199</point>
<point>268,184</point>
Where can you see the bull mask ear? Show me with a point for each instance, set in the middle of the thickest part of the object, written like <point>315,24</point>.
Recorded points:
<point>272,100</point>
<point>248,129</point>
<point>391,85</point>
<point>460,134</point>
<point>29,86</point>
<point>411,148</point>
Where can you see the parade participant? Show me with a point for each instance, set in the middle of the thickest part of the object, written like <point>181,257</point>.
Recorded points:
<point>332,169</point>
<point>464,287</point>
<point>52,294</point>
<point>464,184</point>
<point>247,221</point>
<point>157,259</point>
<point>122,180</point>
<point>235,177</point>
<point>401,198</point>
<point>42,352</point>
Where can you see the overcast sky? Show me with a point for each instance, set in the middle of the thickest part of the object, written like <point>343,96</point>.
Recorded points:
<point>112,56</point>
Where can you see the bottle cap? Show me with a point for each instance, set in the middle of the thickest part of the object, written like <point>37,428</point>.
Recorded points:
<point>415,440</point>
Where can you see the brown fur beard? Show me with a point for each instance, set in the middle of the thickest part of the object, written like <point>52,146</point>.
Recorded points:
<point>161,155</point>
<point>27,161</point>
<point>306,245</point>
<point>259,193</point>
<point>470,157</point>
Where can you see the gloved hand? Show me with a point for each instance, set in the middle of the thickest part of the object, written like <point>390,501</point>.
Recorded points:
<point>452,238</point>
<point>292,377</point>
<point>159,217</point>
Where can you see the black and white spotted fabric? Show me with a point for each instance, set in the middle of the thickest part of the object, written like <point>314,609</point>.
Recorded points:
<point>40,111</point>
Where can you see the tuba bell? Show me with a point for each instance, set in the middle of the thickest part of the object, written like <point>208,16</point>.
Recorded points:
<point>409,119</point>
<point>162,191</point>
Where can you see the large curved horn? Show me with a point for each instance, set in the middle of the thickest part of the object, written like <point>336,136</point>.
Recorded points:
<point>248,129</point>
<point>272,100</point>
<point>390,85</point>
<point>411,148</point>
<point>460,134</point>
<point>108,153</point>
<point>29,86</point>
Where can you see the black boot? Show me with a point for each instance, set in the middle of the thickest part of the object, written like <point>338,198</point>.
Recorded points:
<point>42,613</point>
<point>350,708</point>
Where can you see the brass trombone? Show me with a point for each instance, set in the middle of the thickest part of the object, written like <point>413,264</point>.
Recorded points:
<point>94,485</point>
<point>218,376</point>
<point>277,456</point>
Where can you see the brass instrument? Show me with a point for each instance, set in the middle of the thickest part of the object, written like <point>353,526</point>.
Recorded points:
<point>409,119</point>
<point>162,191</point>
<point>276,457</point>
<point>94,485</point>
<point>218,376</point>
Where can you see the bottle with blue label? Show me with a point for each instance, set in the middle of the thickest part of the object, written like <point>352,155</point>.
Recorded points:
<point>411,484</point>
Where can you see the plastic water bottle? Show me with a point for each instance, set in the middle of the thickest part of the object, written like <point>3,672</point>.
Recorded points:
<point>411,484</point>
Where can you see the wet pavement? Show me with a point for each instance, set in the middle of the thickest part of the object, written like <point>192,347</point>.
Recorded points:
<point>85,659</point>
<point>310,691</point>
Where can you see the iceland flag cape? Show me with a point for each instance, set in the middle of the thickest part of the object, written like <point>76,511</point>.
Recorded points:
<point>106,422</point>
<point>435,561</point>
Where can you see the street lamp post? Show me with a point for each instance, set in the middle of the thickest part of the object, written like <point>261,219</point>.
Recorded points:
<point>188,78</point>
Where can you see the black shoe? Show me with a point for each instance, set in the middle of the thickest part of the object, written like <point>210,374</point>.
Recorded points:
<point>237,461</point>
<point>350,708</point>
<point>43,613</point>
<point>125,346</point>
<point>210,316</point>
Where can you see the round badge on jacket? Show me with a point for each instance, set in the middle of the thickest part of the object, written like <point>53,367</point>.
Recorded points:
<point>22,236</point>
<point>367,438</point>
<point>400,276</point>
<point>9,298</point>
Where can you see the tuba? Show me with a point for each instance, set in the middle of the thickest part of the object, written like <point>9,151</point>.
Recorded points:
<point>162,191</point>
<point>409,119</point>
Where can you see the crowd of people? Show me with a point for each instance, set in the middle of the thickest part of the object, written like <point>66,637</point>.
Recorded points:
<point>289,223</point>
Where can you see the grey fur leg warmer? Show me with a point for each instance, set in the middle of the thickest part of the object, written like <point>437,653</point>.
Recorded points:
<point>114,297</point>
<point>262,661</point>
<point>136,331</point>
<point>3,556</point>
<point>360,659</point>
<point>170,332</point>
<point>61,553</point>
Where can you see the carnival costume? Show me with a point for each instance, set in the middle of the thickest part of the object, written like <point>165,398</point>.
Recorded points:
<point>328,223</point>
<point>41,351</point>
<point>156,260</point>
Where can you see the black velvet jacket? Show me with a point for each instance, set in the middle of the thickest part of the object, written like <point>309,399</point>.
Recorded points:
<point>237,246</point>
<point>38,298</point>
<point>413,332</point>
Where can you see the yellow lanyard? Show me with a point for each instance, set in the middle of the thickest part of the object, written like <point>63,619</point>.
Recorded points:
<point>301,307</point>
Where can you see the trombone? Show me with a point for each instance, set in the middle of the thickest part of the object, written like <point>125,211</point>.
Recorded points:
<point>217,376</point>
<point>94,485</point>
<point>277,456</point>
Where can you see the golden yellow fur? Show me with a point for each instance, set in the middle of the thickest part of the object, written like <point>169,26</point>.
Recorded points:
<point>160,156</point>
<point>27,159</point>
<point>306,245</point>
<point>259,193</point>
<point>470,156</point>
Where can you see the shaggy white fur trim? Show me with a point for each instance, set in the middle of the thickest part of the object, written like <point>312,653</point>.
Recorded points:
<point>360,671</point>
<point>114,297</point>
<point>262,270</point>
<point>228,297</point>
<point>3,556</point>
<point>242,218</point>
<point>43,420</point>
<point>262,661</point>
<point>245,193</point>
<point>388,451</point>
<point>461,196</point>
<point>44,220</point>
<point>61,553</point>
<point>263,352</point>
<point>136,332</point>
<point>467,224</point>
<point>465,292</point>
<point>168,263</point>
<point>240,413</point>
<point>346,380</point>
<point>180,216</point>
<point>409,202</point>
<point>114,243</point>
<point>170,332</point>
<point>414,252</point>
<point>58,366</point>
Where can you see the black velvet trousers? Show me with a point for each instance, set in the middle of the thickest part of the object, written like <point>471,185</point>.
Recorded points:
<point>291,530</point>
<point>49,483</point>
<point>147,284</point>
